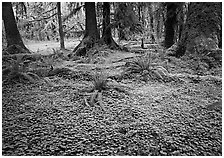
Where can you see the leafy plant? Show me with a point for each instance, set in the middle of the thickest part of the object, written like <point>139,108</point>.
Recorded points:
<point>144,66</point>
<point>17,70</point>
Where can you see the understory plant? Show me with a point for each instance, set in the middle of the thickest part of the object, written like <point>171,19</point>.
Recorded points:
<point>17,69</point>
<point>145,67</point>
<point>100,83</point>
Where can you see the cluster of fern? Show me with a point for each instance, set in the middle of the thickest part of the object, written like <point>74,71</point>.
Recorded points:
<point>16,70</point>
<point>100,83</point>
<point>144,66</point>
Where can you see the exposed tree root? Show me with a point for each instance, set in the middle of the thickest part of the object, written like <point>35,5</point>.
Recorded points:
<point>82,48</point>
<point>24,56</point>
<point>31,77</point>
<point>110,42</point>
<point>15,49</point>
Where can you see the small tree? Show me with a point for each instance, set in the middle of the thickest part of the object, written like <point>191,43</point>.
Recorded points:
<point>61,33</point>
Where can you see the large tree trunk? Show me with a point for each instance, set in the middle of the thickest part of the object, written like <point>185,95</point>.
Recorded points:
<point>202,31</point>
<point>61,33</point>
<point>121,33</point>
<point>107,36</point>
<point>12,34</point>
<point>91,33</point>
<point>170,24</point>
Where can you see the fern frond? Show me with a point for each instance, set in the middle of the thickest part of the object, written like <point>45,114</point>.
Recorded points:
<point>100,81</point>
<point>158,75</point>
<point>6,71</point>
<point>162,70</point>
<point>28,77</point>
<point>33,75</point>
<point>93,97</point>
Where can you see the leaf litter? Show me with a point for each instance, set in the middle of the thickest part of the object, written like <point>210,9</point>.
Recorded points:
<point>158,119</point>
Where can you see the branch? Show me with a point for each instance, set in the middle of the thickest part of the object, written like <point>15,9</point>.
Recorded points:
<point>72,13</point>
<point>80,26</point>
<point>42,18</point>
<point>49,10</point>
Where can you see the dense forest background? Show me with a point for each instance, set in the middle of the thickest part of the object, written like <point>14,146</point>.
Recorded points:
<point>112,78</point>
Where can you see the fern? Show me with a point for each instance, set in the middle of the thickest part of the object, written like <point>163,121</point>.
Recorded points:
<point>139,65</point>
<point>17,70</point>
<point>144,66</point>
<point>100,81</point>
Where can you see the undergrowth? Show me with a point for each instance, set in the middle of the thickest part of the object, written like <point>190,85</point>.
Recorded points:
<point>18,70</point>
<point>99,81</point>
<point>146,68</point>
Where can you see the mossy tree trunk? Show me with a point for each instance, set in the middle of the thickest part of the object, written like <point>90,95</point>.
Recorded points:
<point>170,23</point>
<point>202,30</point>
<point>122,8</point>
<point>107,36</point>
<point>91,35</point>
<point>13,37</point>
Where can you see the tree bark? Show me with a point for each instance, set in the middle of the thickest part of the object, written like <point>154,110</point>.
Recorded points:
<point>61,33</point>
<point>170,24</point>
<point>107,36</point>
<point>152,29</point>
<point>202,30</point>
<point>120,15</point>
<point>12,33</point>
<point>91,35</point>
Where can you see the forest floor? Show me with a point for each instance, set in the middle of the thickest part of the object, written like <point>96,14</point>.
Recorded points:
<point>154,118</point>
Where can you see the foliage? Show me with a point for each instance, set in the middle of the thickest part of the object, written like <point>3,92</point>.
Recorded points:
<point>125,17</point>
<point>16,69</point>
<point>100,81</point>
<point>144,66</point>
<point>38,21</point>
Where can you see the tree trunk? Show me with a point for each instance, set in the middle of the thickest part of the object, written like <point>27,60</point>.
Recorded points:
<point>202,30</point>
<point>181,21</point>
<point>91,33</point>
<point>107,36</point>
<point>170,24</point>
<point>120,15</point>
<point>61,33</point>
<point>121,34</point>
<point>152,29</point>
<point>12,34</point>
